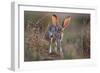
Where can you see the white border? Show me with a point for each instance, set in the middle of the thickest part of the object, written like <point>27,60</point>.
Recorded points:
<point>18,58</point>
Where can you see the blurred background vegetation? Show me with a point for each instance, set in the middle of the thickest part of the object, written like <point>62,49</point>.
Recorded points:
<point>76,41</point>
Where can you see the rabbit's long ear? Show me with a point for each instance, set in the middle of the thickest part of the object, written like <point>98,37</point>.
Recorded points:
<point>58,21</point>
<point>66,21</point>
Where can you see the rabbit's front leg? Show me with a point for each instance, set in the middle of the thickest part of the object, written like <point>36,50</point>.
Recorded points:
<point>50,48</point>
